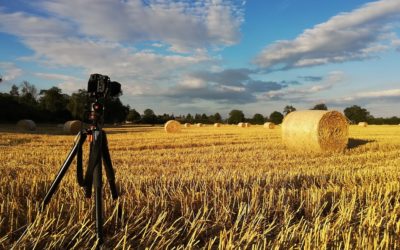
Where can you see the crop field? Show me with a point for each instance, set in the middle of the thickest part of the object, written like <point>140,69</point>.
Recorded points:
<point>206,188</point>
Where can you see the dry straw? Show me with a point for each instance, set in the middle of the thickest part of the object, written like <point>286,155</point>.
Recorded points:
<point>187,125</point>
<point>199,125</point>
<point>72,127</point>
<point>241,124</point>
<point>27,125</point>
<point>172,126</point>
<point>217,124</point>
<point>315,130</point>
<point>363,124</point>
<point>269,125</point>
<point>247,125</point>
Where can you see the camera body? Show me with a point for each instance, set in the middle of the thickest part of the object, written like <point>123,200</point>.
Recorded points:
<point>99,89</point>
<point>100,86</point>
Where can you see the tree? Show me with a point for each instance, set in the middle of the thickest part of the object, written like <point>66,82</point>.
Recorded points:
<point>53,100</point>
<point>258,119</point>
<point>357,114</point>
<point>320,106</point>
<point>217,117</point>
<point>288,109</point>
<point>28,89</point>
<point>133,116</point>
<point>114,110</point>
<point>235,116</point>
<point>76,104</point>
<point>189,118</point>
<point>276,117</point>
<point>14,90</point>
<point>149,117</point>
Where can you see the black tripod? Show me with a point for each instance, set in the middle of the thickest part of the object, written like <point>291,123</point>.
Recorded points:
<point>98,153</point>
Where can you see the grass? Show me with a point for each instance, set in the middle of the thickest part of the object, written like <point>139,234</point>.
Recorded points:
<point>212,188</point>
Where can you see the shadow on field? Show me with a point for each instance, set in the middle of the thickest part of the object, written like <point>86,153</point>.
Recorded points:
<point>353,143</point>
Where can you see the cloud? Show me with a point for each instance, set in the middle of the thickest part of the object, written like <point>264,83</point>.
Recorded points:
<point>181,24</point>
<point>355,35</point>
<point>305,92</point>
<point>381,95</point>
<point>226,86</point>
<point>311,78</point>
<point>9,71</point>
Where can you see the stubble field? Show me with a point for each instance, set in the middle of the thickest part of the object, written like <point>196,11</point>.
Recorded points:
<point>212,188</point>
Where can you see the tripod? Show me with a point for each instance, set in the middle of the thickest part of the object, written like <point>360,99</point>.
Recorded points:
<point>98,154</point>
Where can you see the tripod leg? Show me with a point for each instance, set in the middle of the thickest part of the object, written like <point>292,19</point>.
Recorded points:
<point>108,167</point>
<point>97,179</point>
<point>78,143</point>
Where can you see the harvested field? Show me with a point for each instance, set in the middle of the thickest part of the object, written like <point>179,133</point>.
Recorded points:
<point>225,188</point>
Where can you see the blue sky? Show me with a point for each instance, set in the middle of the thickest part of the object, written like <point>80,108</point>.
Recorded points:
<point>210,56</point>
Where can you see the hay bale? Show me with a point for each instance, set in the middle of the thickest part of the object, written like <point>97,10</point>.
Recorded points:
<point>26,125</point>
<point>187,125</point>
<point>315,130</point>
<point>241,124</point>
<point>199,125</point>
<point>269,125</point>
<point>72,127</point>
<point>247,125</point>
<point>172,126</point>
<point>217,124</point>
<point>363,124</point>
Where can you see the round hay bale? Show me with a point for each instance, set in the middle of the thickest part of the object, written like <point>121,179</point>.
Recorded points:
<point>26,125</point>
<point>199,125</point>
<point>269,125</point>
<point>172,126</point>
<point>247,125</point>
<point>217,124</point>
<point>72,127</point>
<point>363,124</point>
<point>187,125</point>
<point>241,124</point>
<point>315,130</point>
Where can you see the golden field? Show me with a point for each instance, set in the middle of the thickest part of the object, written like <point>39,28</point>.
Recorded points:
<point>208,187</point>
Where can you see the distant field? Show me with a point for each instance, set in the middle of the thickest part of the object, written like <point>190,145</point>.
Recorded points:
<point>213,188</point>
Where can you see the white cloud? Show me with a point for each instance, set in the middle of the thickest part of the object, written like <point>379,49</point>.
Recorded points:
<point>380,94</point>
<point>9,71</point>
<point>183,24</point>
<point>356,35</point>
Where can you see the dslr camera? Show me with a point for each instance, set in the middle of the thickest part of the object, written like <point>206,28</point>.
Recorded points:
<point>100,86</point>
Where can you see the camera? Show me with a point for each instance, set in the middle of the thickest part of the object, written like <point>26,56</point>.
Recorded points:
<point>100,86</point>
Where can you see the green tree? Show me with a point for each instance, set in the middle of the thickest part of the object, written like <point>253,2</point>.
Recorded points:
<point>133,116</point>
<point>357,114</point>
<point>14,90</point>
<point>28,89</point>
<point>76,104</point>
<point>236,116</point>
<point>189,118</point>
<point>149,117</point>
<point>53,100</point>
<point>276,117</point>
<point>288,109</point>
<point>258,119</point>
<point>320,106</point>
<point>114,110</point>
<point>217,117</point>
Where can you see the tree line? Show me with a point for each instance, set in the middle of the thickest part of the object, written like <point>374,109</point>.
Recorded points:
<point>53,106</point>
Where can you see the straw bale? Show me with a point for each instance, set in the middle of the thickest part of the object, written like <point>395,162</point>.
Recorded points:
<point>27,125</point>
<point>269,125</point>
<point>199,125</point>
<point>315,130</point>
<point>247,125</point>
<point>363,124</point>
<point>172,126</point>
<point>241,124</point>
<point>72,127</point>
<point>187,125</point>
<point>217,124</point>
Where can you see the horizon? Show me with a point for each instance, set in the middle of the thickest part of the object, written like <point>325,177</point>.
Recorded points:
<point>193,57</point>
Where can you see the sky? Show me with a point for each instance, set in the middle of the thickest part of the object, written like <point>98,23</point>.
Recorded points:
<point>210,56</point>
